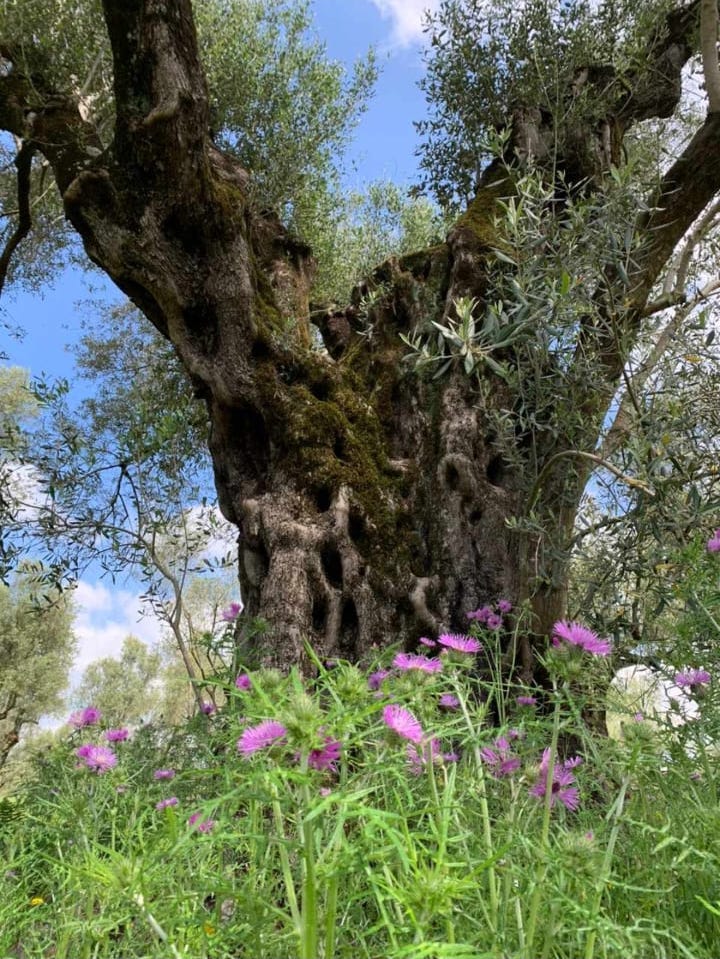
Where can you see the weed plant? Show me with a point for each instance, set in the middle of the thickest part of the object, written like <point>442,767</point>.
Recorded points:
<point>423,808</point>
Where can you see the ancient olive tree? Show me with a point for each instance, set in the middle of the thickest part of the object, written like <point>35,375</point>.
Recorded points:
<point>374,502</point>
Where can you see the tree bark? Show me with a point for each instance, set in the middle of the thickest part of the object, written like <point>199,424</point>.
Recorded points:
<point>372,505</point>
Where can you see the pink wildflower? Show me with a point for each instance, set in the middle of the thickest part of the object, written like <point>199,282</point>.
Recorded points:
<point>692,677</point>
<point>425,664</point>
<point>493,621</point>
<point>230,614</point>
<point>99,759</point>
<point>429,752</point>
<point>504,605</point>
<point>526,700</point>
<point>480,615</point>
<point>448,701</point>
<point>261,736</point>
<point>243,682</point>
<point>165,803</point>
<point>402,722</point>
<point>430,643</point>
<point>713,544</point>
<point>562,787</point>
<point>89,716</point>
<point>116,735</point>
<point>202,825</point>
<point>578,635</point>
<point>375,679</point>
<point>460,643</point>
<point>164,774</point>
<point>501,760</point>
<point>327,757</point>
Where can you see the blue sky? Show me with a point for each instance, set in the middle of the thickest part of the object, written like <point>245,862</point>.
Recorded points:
<point>383,148</point>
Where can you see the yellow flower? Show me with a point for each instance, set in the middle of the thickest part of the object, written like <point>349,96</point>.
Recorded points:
<point>37,901</point>
<point>209,929</point>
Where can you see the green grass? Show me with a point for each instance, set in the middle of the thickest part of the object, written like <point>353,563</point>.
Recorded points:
<point>379,857</point>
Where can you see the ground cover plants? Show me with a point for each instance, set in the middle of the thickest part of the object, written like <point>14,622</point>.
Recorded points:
<point>422,807</point>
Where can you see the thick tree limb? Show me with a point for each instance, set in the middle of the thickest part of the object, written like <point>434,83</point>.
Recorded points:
<point>23,162</point>
<point>33,111</point>
<point>708,50</point>
<point>687,188</point>
<point>161,98</point>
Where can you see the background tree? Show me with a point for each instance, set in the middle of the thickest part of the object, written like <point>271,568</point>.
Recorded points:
<point>36,651</point>
<point>124,689</point>
<point>372,501</point>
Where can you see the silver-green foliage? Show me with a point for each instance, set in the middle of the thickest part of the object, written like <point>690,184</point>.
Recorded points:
<point>358,232</point>
<point>279,103</point>
<point>487,58</point>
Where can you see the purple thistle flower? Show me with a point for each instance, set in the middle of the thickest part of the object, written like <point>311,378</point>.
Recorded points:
<point>165,803</point>
<point>460,643</point>
<point>230,614</point>
<point>526,700</point>
<point>261,736</point>
<point>713,544</point>
<point>208,708</point>
<point>561,788</point>
<point>117,735</point>
<point>202,825</point>
<point>327,757</point>
<point>429,752</point>
<point>243,682</point>
<point>430,643</point>
<point>493,621</point>
<point>505,606</point>
<point>692,677</point>
<point>89,716</point>
<point>100,759</point>
<point>448,701</point>
<point>426,664</point>
<point>501,759</point>
<point>164,774</point>
<point>403,723</point>
<point>578,635</point>
<point>375,679</point>
<point>480,615</point>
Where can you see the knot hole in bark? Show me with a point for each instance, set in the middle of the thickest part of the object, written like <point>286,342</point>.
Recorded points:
<point>331,563</point>
<point>349,631</point>
<point>495,471</point>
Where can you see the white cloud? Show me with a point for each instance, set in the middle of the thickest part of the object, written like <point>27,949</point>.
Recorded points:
<point>406,18</point>
<point>103,618</point>
<point>23,490</point>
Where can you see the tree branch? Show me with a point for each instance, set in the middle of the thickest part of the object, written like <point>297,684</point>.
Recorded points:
<point>161,98</point>
<point>34,111</point>
<point>23,162</point>
<point>676,277</point>
<point>708,50</point>
<point>620,428</point>
<point>686,189</point>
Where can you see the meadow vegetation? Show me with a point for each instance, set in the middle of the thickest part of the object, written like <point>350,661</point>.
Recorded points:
<point>420,807</point>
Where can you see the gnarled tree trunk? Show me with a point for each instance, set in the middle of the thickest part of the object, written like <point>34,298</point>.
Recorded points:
<point>371,504</point>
